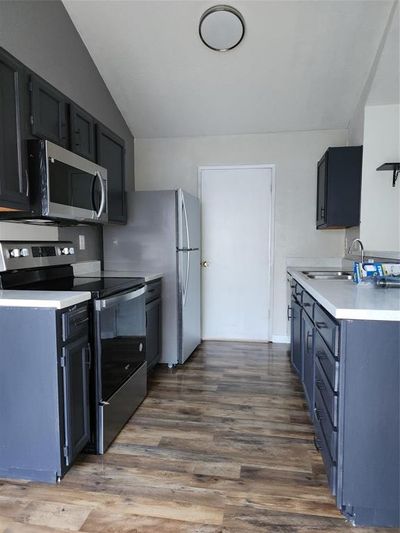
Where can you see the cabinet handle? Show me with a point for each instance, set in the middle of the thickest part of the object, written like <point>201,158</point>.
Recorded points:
<point>289,312</point>
<point>306,305</point>
<point>309,336</point>
<point>27,184</point>
<point>321,325</point>
<point>89,354</point>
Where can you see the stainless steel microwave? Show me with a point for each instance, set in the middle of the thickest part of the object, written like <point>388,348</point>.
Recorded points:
<point>66,186</point>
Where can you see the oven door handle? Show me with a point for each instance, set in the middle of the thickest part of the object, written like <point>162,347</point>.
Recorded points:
<point>106,303</point>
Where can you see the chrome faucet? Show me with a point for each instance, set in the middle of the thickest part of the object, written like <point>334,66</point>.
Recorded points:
<point>361,248</point>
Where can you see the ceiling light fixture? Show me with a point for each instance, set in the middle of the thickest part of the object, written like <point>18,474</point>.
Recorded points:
<point>221,28</point>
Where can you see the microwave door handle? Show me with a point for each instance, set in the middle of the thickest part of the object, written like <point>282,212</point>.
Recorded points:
<point>103,195</point>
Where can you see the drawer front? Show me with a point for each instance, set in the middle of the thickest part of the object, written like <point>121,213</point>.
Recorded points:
<point>75,323</point>
<point>330,466</point>
<point>329,397</point>
<point>153,290</point>
<point>328,362</point>
<point>327,327</point>
<point>308,304</point>
<point>330,433</point>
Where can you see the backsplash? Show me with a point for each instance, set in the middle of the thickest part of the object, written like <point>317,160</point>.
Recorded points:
<point>92,234</point>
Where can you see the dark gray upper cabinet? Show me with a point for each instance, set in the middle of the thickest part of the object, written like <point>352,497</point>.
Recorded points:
<point>14,186</point>
<point>339,187</point>
<point>111,155</point>
<point>48,112</point>
<point>82,127</point>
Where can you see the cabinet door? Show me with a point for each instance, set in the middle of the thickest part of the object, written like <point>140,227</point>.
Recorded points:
<point>48,113</point>
<point>14,188</point>
<point>111,155</point>
<point>296,348</point>
<point>153,333</point>
<point>75,365</point>
<point>82,132</point>
<point>308,360</point>
<point>321,191</point>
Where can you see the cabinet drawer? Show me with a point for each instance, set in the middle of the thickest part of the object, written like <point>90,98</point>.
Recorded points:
<point>328,430</point>
<point>329,397</point>
<point>328,362</point>
<point>327,327</point>
<point>330,465</point>
<point>75,323</point>
<point>308,304</point>
<point>153,290</point>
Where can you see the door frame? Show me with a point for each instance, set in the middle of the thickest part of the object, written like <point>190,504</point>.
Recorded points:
<point>271,240</point>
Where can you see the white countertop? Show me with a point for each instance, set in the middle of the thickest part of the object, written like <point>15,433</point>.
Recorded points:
<point>53,299</point>
<point>343,299</point>
<point>148,276</point>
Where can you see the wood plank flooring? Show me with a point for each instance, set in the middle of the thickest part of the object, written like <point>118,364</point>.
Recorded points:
<point>222,445</point>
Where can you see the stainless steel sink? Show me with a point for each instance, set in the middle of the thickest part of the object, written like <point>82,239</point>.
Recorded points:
<point>335,275</point>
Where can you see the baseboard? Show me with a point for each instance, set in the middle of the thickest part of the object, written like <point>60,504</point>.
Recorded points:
<point>281,339</point>
<point>226,339</point>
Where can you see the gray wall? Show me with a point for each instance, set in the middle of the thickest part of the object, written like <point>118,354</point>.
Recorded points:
<point>41,35</point>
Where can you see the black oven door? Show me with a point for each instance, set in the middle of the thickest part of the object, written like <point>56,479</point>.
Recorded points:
<point>121,370</point>
<point>121,338</point>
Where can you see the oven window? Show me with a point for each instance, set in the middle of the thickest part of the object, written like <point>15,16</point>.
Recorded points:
<point>72,187</point>
<point>122,340</point>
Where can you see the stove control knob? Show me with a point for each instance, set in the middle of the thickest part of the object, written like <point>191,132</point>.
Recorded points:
<point>24,252</point>
<point>71,251</point>
<point>64,251</point>
<point>15,252</point>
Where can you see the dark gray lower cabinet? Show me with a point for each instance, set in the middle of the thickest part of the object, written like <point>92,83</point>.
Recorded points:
<point>75,362</point>
<point>308,360</point>
<point>44,384</point>
<point>153,324</point>
<point>352,379</point>
<point>296,342</point>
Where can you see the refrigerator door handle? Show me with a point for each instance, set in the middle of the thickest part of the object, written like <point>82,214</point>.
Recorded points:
<point>187,279</point>
<point>186,221</point>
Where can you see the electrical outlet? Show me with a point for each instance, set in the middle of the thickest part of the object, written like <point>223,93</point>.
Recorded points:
<point>82,243</point>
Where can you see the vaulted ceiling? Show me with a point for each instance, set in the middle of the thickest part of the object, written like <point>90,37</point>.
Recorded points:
<point>301,66</point>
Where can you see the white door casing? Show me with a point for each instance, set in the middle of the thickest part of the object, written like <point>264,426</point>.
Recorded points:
<point>237,243</point>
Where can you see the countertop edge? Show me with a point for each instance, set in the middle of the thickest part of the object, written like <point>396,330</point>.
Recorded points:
<point>46,301</point>
<point>384,315</point>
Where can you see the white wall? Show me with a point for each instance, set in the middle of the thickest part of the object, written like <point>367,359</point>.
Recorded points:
<point>381,88</point>
<point>171,163</point>
<point>380,202</point>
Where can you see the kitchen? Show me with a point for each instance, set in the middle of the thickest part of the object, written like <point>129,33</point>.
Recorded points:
<point>224,441</point>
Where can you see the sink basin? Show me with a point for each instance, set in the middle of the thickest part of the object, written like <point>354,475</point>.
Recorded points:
<point>335,275</point>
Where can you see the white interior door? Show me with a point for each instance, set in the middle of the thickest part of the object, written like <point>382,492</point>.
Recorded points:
<point>237,246</point>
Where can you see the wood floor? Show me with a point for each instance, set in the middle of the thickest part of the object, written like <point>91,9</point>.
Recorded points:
<point>223,444</point>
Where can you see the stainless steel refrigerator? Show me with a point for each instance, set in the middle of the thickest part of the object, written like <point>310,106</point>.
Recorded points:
<point>163,235</point>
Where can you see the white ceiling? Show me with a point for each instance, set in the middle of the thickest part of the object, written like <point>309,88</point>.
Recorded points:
<point>301,66</point>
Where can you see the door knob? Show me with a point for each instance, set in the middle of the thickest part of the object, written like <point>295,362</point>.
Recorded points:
<point>204,264</point>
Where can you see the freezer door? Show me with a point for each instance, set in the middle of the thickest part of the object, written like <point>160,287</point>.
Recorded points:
<point>189,303</point>
<point>188,221</point>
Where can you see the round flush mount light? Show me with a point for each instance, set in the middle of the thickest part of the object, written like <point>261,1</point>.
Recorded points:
<point>221,28</point>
